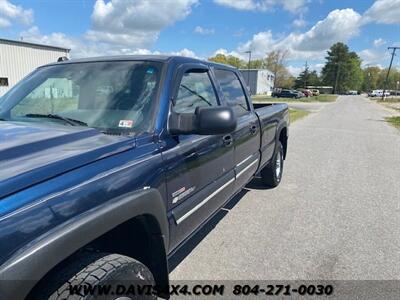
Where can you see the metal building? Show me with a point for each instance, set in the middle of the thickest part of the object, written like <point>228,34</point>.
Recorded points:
<point>19,58</point>
<point>259,81</point>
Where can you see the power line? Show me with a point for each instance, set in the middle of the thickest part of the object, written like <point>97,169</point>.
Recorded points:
<point>390,66</point>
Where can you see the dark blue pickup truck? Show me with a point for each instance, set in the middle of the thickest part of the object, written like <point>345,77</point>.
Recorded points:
<point>109,165</point>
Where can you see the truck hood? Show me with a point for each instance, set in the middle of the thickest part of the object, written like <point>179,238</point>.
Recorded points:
<point>31,153</point>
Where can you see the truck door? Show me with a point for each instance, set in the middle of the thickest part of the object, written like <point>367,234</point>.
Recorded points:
<point>199,169</point>
<point>246,138</point>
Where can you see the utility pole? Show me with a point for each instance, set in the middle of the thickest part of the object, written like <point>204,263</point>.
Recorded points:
<point>369,78</point>
<point>305,74</point>
<point>248,70</point>
<point>388,72</point>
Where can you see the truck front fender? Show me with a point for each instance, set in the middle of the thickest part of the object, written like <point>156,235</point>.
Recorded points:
<point>21,272</point>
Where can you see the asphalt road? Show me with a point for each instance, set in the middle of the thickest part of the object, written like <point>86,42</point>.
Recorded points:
<point>336,214</point>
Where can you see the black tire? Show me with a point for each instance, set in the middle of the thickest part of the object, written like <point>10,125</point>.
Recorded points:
<point>98,269</point>
<point>269,175</point>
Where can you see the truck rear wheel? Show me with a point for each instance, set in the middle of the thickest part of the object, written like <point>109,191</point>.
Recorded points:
<point>271,175</point>
<point>100,272</point>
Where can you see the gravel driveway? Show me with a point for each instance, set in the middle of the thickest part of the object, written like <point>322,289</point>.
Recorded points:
<point>336,214</point>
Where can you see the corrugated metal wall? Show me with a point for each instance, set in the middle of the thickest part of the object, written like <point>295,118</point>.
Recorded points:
<point>259,81</point>
<point>18,60</point>
<point>265,82</point>
<point>250,78</point>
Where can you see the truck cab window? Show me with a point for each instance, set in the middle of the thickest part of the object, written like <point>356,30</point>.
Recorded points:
<point>195,90</point>
<point>232,90</point>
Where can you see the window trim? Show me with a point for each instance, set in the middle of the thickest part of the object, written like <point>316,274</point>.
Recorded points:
<point>182,70</point>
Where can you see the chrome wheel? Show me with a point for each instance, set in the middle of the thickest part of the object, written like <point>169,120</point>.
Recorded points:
<point>278,166</point>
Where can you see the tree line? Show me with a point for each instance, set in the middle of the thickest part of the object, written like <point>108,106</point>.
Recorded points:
<point>342,71</point>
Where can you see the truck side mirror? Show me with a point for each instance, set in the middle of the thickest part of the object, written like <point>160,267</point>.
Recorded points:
<point>204,121</point>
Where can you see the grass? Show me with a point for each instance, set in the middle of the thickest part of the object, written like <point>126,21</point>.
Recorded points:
<point>395,121</point>
<point>320,98</point>
<point>296,114</point>
<point>389,100</point>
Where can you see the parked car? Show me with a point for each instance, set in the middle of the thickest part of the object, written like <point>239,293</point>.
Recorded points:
<point>301,94</point>
<point>352,92</point>
<point>306,92</point>
<point>289,94</point>
<point>276,92</point>
<point>104,188</point>
<point>378,93</point>
<point>315,92</point>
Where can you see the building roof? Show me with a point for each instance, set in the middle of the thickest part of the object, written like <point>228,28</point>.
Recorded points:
<point>29,44</point>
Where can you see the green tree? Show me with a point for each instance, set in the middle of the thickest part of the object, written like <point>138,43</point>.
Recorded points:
<point>275,62</point>
<point>371,77</point>
<point>287,82</point>
<point>257,64</point>
<point>307,78</point>
<point>394,76</point>
<point>342,70</point>
<point>228,60</point>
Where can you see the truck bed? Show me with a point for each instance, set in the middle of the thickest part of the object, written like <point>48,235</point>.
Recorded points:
<point>270,116</point>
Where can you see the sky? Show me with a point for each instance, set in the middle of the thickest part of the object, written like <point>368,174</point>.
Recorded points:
<point>203,28</point>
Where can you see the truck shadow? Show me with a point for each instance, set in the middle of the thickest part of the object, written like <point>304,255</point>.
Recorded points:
<point>257,184</point>
<point>189,246</point>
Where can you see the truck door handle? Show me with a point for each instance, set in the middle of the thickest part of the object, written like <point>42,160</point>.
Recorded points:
<point>253,129</point>
<point>228,140</point>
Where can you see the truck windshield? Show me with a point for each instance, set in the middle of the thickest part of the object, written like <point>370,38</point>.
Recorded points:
<point>114,97</point>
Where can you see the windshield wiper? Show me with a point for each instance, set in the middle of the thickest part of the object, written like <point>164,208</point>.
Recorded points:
<point>196,94</point>
<point>70,121</point>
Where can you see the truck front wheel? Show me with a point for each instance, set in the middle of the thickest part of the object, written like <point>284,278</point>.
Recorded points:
<point>271,175</point>
<point>100,276</point>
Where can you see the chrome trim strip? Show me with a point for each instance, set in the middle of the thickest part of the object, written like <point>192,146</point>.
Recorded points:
<point>243,161</point>
<point>185,216</point>
<point>245,169</point>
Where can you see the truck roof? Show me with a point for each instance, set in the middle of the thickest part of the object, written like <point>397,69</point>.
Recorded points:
<point>156,58</point>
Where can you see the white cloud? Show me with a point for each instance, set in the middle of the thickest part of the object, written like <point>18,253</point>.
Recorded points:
<point>120,27</point>
<point>379,42</point>
<point>263,5</point>
<point>135,23</point>
<point>233,53</point>
<point>295,71</point>
<point>81,48</point>
<point>78,48</point>
<point>384,12</point>
<point>204,31</point>
<point>299,23</point>
<point>239,4</point>
<point>260,44</point>
<point>373,56</point>
<point>10,12</point>
<point>338,26</point>
<point>4,22</point>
